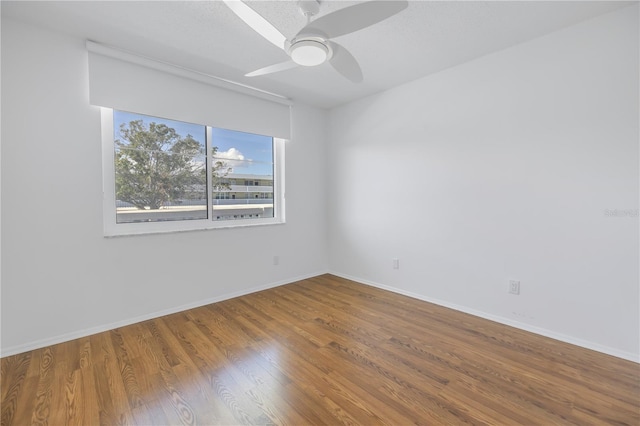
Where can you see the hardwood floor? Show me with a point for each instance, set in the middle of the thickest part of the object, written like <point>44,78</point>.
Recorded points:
<point>319,351</point>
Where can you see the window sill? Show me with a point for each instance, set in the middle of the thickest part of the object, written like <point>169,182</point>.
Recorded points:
<point>173,230</point>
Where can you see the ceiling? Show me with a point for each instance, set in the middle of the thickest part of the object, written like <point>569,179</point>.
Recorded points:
<point>206,36</point>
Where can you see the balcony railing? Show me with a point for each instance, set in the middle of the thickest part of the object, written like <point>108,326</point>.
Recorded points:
<point>239,201</point>
<point>227,210</point>
<point>243,188</point>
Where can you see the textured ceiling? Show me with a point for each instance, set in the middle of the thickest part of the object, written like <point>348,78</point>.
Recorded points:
<point>206,36</point>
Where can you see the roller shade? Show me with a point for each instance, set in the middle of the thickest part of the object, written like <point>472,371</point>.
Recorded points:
<point>127,82</point>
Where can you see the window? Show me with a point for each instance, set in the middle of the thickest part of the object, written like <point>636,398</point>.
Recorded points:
<point>164,175</point>
<point>249,157</point>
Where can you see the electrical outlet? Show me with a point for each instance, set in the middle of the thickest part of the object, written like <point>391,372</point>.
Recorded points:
<point>276,260</point>
<point>396,263</point>
<point>523,315</point>
<point>514,287</point>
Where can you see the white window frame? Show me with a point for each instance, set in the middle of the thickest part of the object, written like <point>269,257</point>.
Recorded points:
<point>114,229</point>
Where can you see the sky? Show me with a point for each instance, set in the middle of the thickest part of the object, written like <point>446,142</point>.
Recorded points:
<point>246,153</point>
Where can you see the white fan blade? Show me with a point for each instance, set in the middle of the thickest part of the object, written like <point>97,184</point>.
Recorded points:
<point>272,68</point>
<point>353,18</point>
<point>345,63</point>
<point>257,22</point>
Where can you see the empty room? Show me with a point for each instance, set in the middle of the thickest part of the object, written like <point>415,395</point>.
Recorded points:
<point>320,212</point>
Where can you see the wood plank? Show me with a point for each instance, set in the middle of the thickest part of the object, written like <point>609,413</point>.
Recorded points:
<point>110,392</point>
<point>14,377</point>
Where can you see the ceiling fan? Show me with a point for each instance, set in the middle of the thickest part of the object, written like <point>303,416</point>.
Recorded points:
<point>313,45</point>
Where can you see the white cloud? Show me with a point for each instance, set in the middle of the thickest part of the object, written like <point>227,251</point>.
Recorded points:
<point>233,158</point>
<point>230,154</point>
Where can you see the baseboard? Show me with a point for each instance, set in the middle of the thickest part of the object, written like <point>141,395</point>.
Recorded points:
<point>502,320</point>
<point>13,350</point>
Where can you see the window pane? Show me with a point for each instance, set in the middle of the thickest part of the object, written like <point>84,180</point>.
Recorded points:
<point>160,168</point>
<point>242,175</point>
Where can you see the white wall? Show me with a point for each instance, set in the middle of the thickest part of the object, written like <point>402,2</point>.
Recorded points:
<point>499,169</point>
<point>60,277</point>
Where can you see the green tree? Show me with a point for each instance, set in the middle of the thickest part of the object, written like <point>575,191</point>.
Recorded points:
<point>154,165</point>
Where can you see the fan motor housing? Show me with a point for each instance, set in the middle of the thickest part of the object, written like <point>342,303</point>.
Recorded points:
<point>310,51</point>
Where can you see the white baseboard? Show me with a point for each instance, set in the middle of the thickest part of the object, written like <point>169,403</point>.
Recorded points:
<point>13,350</point>
<point>502,320</point>
<point>17,349</point>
